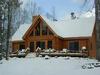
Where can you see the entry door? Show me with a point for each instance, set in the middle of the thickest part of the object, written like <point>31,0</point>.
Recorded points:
<point>31,46</point>
<point>42,45</point>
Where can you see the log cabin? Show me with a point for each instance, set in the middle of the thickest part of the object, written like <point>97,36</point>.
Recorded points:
<point>67,33</point>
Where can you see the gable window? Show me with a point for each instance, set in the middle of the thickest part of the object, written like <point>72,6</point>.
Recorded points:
<point>44,29</point>
<point>37,31</point>
<point>50,33</point>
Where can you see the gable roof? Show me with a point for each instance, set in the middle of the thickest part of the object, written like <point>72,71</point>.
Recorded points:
<point>82,27</point>
<point>20,32</point>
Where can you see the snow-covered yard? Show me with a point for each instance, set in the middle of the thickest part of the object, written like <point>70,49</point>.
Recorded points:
<point>52,66</point>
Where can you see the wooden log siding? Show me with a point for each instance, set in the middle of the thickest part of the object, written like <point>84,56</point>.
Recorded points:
<point>92,52</point>
<point>16,45</point>
<point>39,38</point>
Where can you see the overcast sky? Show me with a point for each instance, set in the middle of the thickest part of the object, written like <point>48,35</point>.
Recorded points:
<point>63,7</point>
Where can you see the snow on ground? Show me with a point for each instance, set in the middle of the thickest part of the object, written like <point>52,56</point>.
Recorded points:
<point>51,66</point>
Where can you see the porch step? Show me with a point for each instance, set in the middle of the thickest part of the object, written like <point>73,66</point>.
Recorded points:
<point>30,55</point>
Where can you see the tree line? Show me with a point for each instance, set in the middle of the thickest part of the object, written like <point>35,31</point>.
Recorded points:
<point>12,15</point>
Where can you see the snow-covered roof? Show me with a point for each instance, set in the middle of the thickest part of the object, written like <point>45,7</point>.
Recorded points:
<point>84,14</point>
<point>66,28</point>
<point>89,13</point>
<point>20,32</point>
<point>82,27</point>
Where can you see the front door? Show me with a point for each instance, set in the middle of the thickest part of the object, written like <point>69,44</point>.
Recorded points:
<point>31,46</point>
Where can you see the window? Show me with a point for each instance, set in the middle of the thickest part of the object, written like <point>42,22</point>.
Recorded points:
<point>37,32</point>
<point>73,46</point>
<point>49,44</point>
<point>50,33</point>
<point>40,44</point>
<point>44,29</point>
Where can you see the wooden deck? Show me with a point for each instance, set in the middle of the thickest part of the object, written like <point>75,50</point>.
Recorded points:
<point>64,54</point>
<point>19,54</point>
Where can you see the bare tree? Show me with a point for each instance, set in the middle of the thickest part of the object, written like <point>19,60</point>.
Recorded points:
<point>31,9</point>
<point>53,13</point>
<point>11,6</point>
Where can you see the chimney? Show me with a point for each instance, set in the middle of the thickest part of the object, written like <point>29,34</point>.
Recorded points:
<point>73,15</point>
<point>33,18</point>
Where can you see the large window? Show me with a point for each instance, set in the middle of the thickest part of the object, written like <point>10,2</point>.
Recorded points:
<point>49,44</point>
<point>73,46</point>
<point>44,29</point>
<point>41,28</point>
<point>40,44</point>
<point>37,31</point>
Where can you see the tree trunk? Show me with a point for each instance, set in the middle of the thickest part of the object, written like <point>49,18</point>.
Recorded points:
<point>8,30</point>
<point>97,5</point>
